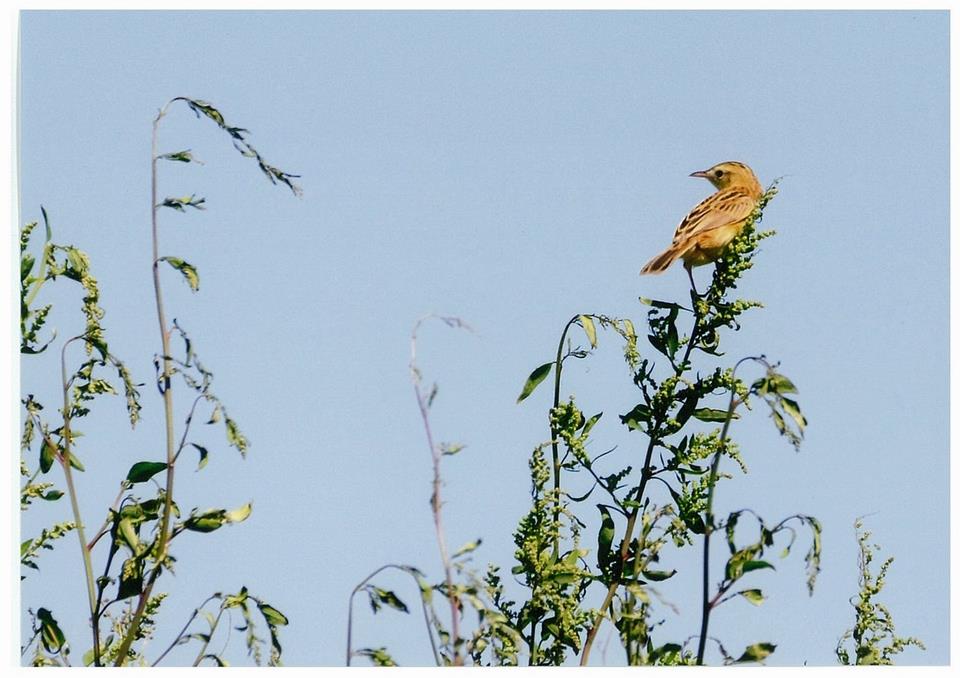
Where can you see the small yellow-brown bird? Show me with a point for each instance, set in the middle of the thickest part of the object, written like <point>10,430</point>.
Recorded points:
<point>711,225</point>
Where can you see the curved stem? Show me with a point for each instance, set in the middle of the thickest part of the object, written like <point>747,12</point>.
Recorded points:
<point>707,604</point>
<point>436,504</point>
<point>554,434</point>
<point>163,535</point>
<point>65,460</point>
<point>645,476</point>
<point>176,641</point>
<point>359,587</point>
<point>206,643</point>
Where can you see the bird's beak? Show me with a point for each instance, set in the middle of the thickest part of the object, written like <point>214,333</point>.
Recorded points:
<point>702,175</point>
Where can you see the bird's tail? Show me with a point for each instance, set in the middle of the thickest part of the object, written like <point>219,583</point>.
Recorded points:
<point>661,262</point>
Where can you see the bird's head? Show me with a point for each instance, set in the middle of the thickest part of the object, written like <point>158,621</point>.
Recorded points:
<point>730,174</point>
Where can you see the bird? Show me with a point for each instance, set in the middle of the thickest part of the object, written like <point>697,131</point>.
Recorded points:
<point>710,226</point>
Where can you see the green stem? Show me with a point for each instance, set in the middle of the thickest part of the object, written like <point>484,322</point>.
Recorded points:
<point>65,457</point>
<point>436,504</point>
<point>645,476</point>
<point>163,535</point>
<point>359,587</point>
<point>176,641</point>
<point>707,604</point>
<point>555,434</point>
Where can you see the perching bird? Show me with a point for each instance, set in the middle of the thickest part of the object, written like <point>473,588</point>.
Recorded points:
<point>711,225</point>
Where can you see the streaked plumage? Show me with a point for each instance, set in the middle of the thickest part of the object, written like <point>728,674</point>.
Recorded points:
<point>711,225</point>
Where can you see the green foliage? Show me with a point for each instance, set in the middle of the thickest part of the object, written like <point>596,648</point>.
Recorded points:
<point>873,638</point>
<point>636,529</point>
<point>240,142</point>
<point>551,619</point>
<point>30,548</point>
<point>137,532</point>
<point>188,271</point>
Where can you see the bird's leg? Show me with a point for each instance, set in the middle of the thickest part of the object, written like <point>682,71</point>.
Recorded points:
<point>693,285</point>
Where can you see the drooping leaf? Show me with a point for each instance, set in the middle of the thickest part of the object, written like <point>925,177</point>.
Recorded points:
<point>586,322</point>
<point>467,548</point>
<point>74,462</point>
<point>658,575</point>
<point>214,519</point>
<point>143,471</point>
<point>537,376</point>
<point>188,271</point>
<point>178,156</point>
<point>235,437</point>
<point>204,455</point>
<point>50,634</point>
<point>712,414</point>
<point>755,596</point>
<point>273,616</point>
<point>47,454</point>
<point>637,417</point>
<point>450,449</point>
<point>379,596</point>
<point>131,578</point>
<point>605,538</point>
<point>757,652</point>
<point>238,515</point>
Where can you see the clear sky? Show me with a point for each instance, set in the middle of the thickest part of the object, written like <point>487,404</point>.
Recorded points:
<point>512,169</point>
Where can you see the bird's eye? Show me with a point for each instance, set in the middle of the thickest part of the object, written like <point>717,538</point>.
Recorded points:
<point>719,173</point>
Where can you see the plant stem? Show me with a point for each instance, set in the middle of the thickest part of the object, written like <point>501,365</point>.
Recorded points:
<point>645,476</point>
<point>65,457</point>
<point>163,535</point>
<point>176,640</point>
<point>206,643</point>
<point>436,504</point>
<point>359,587</point>
<point>707,605</point>
<point>554,434</point>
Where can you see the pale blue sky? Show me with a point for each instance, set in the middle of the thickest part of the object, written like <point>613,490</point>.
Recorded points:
<point>512,169</point>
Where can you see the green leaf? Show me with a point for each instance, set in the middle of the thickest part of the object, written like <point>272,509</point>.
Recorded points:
<point>128,533</point>
<point>793,409</point>
<point>636,417</point>
<point>757,652</point>
<point>467,548</point>
<point>204,454</point>
<point>178,156</point>
<point>50,634</point>
<point>388,598</point>
<point>590,423</point>
<point>47,454</point>
<point>755,596</point>
<point>26,265</point>
<point>711,414</point>
<point>450,449</point>
<point>214,519</point>
<point>131,578</point>
<point>238,515</point>
<point>605,538</point>
<point>187,270</point>
<point>180,204</point>
<point>273,616</point>
<point>586,322</point>
<point>74,462</point>
<point>751,565</point>
<point>659,304</point>
<point>235,438</point>
<point>658,575</point>
<point>143,471</point>
<point>378,656</point>
<point>534,380</point>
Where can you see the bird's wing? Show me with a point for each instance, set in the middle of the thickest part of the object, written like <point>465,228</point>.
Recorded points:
<point>720,209</point>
